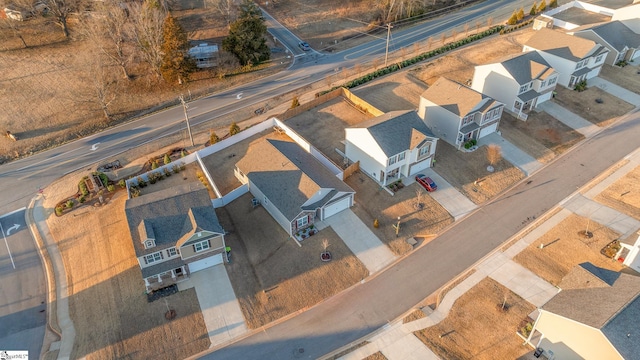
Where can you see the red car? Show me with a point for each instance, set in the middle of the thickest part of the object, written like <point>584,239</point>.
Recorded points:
<point>426,182</point>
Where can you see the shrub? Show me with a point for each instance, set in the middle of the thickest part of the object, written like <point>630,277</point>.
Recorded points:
<point>69,204</point>
<point>542,7</point>
<point>83,186</point>
<point>167,159</point>
<point>122,183</point>
<point>234,128</point>
<point>467,145</point>
<point>513,19</point>
<point>154,164</point>
<point>213,137</point>
<point>141,182</point>
<point>110,188</point>
<point>183,153</point>
<point>175,169</point>
<point>182,165</point>
<point>581,86</point>
<point>81,199</point>
<point>59,210</point>
<point>167,172</point>
<point>152,178</point>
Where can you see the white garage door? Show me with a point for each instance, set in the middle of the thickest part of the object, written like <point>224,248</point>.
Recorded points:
<point>336,207</point>
<point>544,97</point>
<point>488,130</point>
<point>205,263</point>
<point>416,168</point>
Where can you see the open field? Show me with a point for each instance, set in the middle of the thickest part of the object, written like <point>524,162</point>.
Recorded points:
<point>271,275</point>
<point>584,104</point>
<point>108,305</point>
<point>479,326</point>
<point>467,172</point>
<point>627,77</point>
<point>565,248</point>
<point>624,194</point>
<point>399,91</point>
<point>372,202</point>
<point>541,136</point>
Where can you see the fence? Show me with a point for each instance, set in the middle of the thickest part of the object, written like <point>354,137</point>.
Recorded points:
<point>232,195</point>
<point>350,169</point>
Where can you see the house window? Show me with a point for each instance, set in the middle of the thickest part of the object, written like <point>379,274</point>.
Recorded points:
<point>151,258</point>
<point>392,160</point>
<point>524,88</point>
<point>599,58</point>
<point>543,83</point>
<point>467,119</point>
<point>171,252</point>
<point>265,201</point>
<point>201,246</point>
<point>303,221</point>
<point>553,80</point>
<point>425,150</point>
<point>401,156</point>
<point>148,244</point>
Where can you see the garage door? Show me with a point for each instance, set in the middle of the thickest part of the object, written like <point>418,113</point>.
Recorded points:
<point>416,168</point>
<point>544,97</point>
<point>205,263</point>
<point>336,207</point>
<point>488,130</point>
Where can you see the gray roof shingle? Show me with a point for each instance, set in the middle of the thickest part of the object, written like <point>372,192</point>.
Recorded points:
<point>566,46</point>
<point>394,131</point>
<point>616,33</point>
<point>287,174</point>
<point>457,98</point>
<point>527,66</point>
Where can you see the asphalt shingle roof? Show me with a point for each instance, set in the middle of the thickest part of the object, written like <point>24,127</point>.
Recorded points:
<point>527,66</point>
<point>395,131</point>
<point>563,45</point>
<point>457,98</point>
<point>287,174</point>
<point>616,34</point>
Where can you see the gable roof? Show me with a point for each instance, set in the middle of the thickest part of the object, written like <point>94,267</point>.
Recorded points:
<point>527,66</point>
<point>288,175</point>
<point>397,131</point>
<point>561,44</point>
<point>594,296</point>
<point>616,33</point>
<point>457,98</point>
<point>172,214</point>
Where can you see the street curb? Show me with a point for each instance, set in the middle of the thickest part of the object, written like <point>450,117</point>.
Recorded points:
<point>50,284</point>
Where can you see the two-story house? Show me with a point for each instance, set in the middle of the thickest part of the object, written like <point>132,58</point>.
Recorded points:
<point>574,58</point>
<point>175,232</point>
<point>520,82</point>
<point>623,43</point>
<point>457,114</point>
<point>391,146</point>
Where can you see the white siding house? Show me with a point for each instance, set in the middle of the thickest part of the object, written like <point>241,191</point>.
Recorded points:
<point>622,42</point>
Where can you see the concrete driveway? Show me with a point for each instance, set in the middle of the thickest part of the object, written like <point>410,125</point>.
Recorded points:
<point>574,121</point>
<point>525,162</point>
<point>448,196</point>
<point>616,90</point>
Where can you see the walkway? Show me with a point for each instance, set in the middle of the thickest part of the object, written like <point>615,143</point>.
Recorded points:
<point>361,241</point>
<point>448,196</point>
<point>220,309</point>
<point>525,162</point>
<point>603,215</point>
<point>615,90</point>
<point>584,127</point>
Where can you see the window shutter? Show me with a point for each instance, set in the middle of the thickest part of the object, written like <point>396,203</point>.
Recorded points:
<point>161,256</point>
<point>145,260</point>
<point>194,247</point>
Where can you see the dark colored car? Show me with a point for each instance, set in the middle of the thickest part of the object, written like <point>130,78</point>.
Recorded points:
<point>304,46</point>
<point>426,182</point>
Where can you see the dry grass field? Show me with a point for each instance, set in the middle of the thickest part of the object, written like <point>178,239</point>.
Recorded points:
<point>584,104</point>
<point>565,248</point>
<point>372,202</point>
<point>399,91</point>
<point>414,315</point>
<point>376,356</point>
<point>624,194</point>
<point>271,275</point>
<point>479,326</point>
<point>108,305</point>
<point>628,77</point>
<point>467,172</point>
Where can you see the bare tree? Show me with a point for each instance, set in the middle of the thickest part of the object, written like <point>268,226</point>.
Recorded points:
<point>101,86</point>
<point>227,8</point>
<point>478,23</point>
<point>454,34</point>
<point>489,21</point>
<point>60,10</point>
<point>494,153</point>
<point>466,29</point>
<point>146,31</point>
<point>418,204</point>
<point>443,38</point>
<point>429,42</point>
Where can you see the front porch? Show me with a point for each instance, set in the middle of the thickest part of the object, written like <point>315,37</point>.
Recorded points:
<point>165,279</point>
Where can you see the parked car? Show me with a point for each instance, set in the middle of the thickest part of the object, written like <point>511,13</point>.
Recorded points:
<point>304,46</point>
<point>426,182</point>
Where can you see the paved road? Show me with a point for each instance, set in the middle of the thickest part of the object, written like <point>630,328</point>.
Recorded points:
<point>353,314</point>
<point>22,299</point>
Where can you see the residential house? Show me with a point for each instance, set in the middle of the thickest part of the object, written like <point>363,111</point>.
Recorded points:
<point>520,82</point>
<point>622,42</point>
<point>629,253</point>
<point>175,232</point>
<point>456,113</point>
<point>574,58</point>
<point>204,55</point>
<point>595,316</point>
<point>292,185</point>
<point>391,146</point>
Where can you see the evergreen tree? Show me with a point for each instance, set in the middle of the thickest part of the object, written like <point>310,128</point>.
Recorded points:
<point>520,15</point>
<point>176,63</point>
<point>166,159</point>
<point>542,7</point>
<point>295,102</point>
<point>553,4</point>
<point>246,39</point>
<point>534,9</point>
<point>513,19</point>
<point>234,128</point>
<point>213,137</point>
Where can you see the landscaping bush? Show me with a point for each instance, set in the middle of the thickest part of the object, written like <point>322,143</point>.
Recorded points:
<point>581,86</point>
<point>110,188</point>
<point>234,128</point>
<point>167,159</point>
<point>69,204</point>
<point>175,169</point>
<point>141,182</point>
<point>122,183</point>
<point>167,172</point>
<point>81,199</point>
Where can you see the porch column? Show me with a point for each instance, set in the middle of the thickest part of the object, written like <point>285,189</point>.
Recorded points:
<point>184,271</point>
<point>173,274</point>
<point>159,278</point>
<point>146,282</point>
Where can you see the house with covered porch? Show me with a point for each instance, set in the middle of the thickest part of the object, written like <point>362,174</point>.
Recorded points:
<point>175,232</point>
<point>457,114</point>
<point>521,82</point>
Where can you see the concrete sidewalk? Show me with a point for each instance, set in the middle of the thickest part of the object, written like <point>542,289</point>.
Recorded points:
<point>361,241</point>
<point>449,197</point>
<point>615,90</point>
<point>220,308</point>
<point>570,119</point>
<point>525,162</point>
<point>603,215</point>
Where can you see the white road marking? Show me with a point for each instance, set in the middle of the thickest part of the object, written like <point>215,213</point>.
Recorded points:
<point>47,159</point>
<point>13,212</point>
<point>14,227</point>
<point>7,245</point>
<point>239,96</point>
<point>94,147</point>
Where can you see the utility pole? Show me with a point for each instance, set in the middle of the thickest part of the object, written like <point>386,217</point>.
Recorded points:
<point>386,52</point>
<point>186,117</point>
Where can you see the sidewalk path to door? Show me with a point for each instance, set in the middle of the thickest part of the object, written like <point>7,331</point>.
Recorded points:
<point>448,196</point>
<point>525,162</point>
<point>615,90</point>
<point>584,127</point>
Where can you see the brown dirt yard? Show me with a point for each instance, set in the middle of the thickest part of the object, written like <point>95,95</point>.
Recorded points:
<point>624,194</point>
<point>584,104</point>
<point>564,248</point>
<point>372,202</point>
<point>467,172</point>
<point>108,305</point>
<point>271,275</point>
<point>627,77</point>
<point>399,91</point>
<point>189,174</point>
<point>478,328</point>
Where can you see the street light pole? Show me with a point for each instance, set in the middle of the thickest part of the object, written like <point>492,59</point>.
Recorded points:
<point>186,117</point>
<point>386,52</point>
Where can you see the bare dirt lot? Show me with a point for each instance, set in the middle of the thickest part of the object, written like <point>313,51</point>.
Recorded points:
<point>627,77</point>
<point>479,326</point>
<point>624,194</point>
<point>271,275</point>
<point>565,248</point>
<point>541,136</point>
<point>373,202</point>
<point>108,305</point>
<point>189,174</point>
<point>396,92</point>
<point>585,105</point>
<point>467,172</point>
